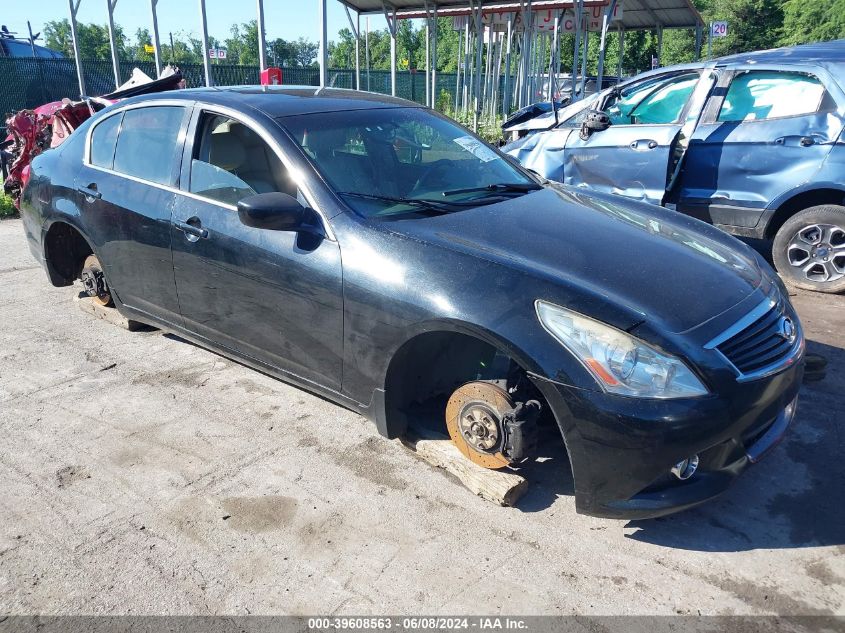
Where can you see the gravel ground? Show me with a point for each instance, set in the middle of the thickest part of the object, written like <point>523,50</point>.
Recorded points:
<point>143,475</point>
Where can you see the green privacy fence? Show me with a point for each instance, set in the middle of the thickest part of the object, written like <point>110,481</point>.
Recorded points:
<point>27,82</point>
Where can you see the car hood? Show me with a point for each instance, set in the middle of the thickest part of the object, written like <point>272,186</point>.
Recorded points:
<point>623,261</point>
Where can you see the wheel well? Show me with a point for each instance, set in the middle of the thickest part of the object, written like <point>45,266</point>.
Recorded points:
<point>65,251</point>
<point>425,371</point>
<point>800,202</point>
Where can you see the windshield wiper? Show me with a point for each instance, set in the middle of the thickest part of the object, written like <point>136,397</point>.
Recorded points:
<point>439,206</point>
<point>499,187</point>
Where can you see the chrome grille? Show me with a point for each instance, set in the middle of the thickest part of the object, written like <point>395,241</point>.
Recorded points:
<point>764,340</point>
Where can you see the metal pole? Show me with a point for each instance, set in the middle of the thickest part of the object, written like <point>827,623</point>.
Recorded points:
<point>206,64</point>
<point>458,76</point>
<point>554,67</point>
<point>479,45</point>
<point>262,44</point>
<point>497,76</point>
<point>357,51</point>
<point>488,67</point>
<point>525,66</point>
<point>367,52</point>
<point>576,56</point>
<point>156,44</point>
<point>356,31</point>
<point>390,17</point>
<point>607,16</point>
<point>659,46</point>
<point>465,84</point>
<point>110,4</point>
<point>324,53</point>
<point>427,55</point>
<point>74,7</point>
<point>434,59</point>
<point>584,60</point>
<point>698,34</point>
<point>32,41</point>
<point>506,97</point>
<point>621,51</point>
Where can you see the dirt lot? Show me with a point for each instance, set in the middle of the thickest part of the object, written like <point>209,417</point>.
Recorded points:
<point>141,474</point>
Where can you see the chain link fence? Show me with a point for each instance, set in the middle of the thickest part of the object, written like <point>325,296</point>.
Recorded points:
<point>29,82</point>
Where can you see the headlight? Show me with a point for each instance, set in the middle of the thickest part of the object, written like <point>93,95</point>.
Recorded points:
<point>619,362</point>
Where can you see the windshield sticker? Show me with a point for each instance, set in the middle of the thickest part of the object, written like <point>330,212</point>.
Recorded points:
<point>478,149</point>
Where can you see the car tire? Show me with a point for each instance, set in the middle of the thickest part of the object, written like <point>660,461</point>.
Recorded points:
<point>809,249</point>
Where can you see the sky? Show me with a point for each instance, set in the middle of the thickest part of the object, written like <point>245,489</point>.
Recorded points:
<point>288,19</point>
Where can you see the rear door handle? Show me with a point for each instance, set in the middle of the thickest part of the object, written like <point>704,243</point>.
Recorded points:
<point>192,228</point>
<point>90,191</point>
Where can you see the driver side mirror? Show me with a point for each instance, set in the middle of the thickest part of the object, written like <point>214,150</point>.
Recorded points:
<point>273,211</point>
<point>595,121</point>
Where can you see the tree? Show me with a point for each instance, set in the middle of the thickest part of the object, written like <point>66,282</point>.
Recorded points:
<point>812,21</point>
<point>242,44</point>
<point>93,40</point>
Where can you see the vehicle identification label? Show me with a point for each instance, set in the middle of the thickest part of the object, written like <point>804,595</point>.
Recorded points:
<point>481,151</point>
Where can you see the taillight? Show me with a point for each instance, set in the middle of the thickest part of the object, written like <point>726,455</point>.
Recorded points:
<point>25,174</point>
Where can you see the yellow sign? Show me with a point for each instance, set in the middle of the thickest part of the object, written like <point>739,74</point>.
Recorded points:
<point>149,48</point>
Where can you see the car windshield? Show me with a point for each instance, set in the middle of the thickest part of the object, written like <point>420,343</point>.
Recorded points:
<point>396,161</point>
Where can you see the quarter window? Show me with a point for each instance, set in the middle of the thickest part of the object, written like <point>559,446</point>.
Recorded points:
<point>148,145</point>
<point>232,162</point>
<point>103,140</point>
<point>759,95</point>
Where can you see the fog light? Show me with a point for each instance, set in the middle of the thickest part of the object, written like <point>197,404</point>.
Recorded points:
<point>685,469</point>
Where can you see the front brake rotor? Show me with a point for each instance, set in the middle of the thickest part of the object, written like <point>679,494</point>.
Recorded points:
<point>474,417</point>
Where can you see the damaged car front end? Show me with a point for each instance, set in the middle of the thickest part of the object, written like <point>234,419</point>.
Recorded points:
<point>752,143</point>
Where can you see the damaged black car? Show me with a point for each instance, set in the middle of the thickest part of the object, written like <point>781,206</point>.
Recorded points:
<point>377,253</point>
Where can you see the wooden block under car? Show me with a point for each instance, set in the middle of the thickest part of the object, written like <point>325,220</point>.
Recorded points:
<point>501,487</point>
<point>109,315</point>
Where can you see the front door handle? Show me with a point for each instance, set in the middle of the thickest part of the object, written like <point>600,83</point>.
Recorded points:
<point>90,191</point>
<point>192,228</point>
<point>642,145</point>
<point>806,141</point>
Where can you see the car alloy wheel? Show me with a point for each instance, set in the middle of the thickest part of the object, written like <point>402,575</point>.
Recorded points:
<point>818,250</point>
<point>809,249</point>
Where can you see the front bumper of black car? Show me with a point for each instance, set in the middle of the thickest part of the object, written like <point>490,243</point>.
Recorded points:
<point>622,449</point>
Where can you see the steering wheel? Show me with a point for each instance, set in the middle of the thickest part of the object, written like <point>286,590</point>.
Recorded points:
<point>436,174</point>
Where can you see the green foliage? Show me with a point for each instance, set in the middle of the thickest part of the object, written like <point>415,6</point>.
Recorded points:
<point>490,129</point>
<point>812,21</point>
<point>410,47</point>
<point>93,40</point>
<point>7,207</point>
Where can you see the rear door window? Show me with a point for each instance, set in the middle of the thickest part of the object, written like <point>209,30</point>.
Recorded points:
<point>103,140</point>
<point>148,146</point>
<point>769,94</point>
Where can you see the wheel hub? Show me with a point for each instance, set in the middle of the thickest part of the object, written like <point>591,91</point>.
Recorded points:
<point>479,425</point>
<point>818,251</point>
<point>475,414</point>
<point>94,281</point>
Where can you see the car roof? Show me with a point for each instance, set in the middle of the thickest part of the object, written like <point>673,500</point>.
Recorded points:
<point>282,101</point>
<point>831,55</point>
<point>826,53</point>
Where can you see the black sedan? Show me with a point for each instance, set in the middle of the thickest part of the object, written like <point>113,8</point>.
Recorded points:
<point>376,253</point>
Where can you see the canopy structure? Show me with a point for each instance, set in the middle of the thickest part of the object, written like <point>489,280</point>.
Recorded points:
<point>535,27</point>
<point>637,15</point>
<point>497,29</point>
